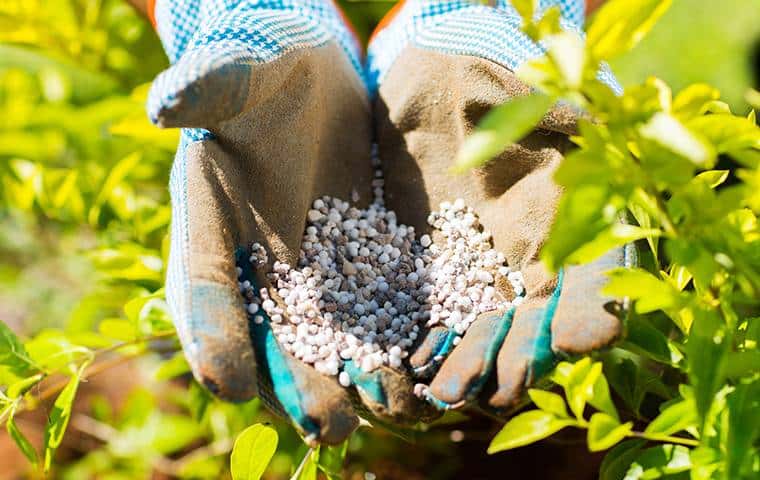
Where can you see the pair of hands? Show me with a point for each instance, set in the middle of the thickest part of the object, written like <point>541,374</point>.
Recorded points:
<point>275,111</point>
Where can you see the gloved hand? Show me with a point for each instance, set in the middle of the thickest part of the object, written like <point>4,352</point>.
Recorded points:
<point>438,67</point>
<point>275,113</point>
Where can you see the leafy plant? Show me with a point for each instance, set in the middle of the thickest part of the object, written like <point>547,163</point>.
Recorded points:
<point>685,171</point>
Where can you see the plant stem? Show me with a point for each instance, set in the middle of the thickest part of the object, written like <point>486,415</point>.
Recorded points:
<point>665,438</point>
<point>300,468</point>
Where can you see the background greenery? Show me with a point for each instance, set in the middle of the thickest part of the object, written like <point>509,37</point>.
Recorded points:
<point>83,220</point>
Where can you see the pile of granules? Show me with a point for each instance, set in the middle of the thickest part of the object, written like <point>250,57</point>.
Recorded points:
<point>365,287</point>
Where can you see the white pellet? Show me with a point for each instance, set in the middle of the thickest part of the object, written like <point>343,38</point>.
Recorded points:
<point>364,284</point>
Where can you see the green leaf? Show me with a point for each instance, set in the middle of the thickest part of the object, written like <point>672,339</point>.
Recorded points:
<point>659,461</point>
<point>501,127</point>
<point>617,460</point>
<point>19,388</point>
<point>580,218</point>
<point>668,132</point>
<point>567,52</point>
<point>601,399</point>
<point>526,9</point>
<point>59,417</point>
<point>308,470</point>
<point>580,385</point>
<point>614,236</point>
<point>527,428</point>
<point>692,100</point>
<point>549,402</point>
<point>713,178</point>
<point>331,460</point>
<point>621,24</point>
<point>743,425</point>
<point>14,360</point>
<point>23,443</point>
<point>253,449</point>
<point>707,347</point>
<point>604,432</point>
<point>650,292</point>
<point>674,418</point>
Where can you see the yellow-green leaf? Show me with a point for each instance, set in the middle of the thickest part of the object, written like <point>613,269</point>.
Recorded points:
<point>23,443</point>
<point>548,402</point>
<point>253,449</point>
<point>501,127</point>
<point>604,432</point>
<point>58,419</point>
<point>527,428</point>
<point>621,24</point>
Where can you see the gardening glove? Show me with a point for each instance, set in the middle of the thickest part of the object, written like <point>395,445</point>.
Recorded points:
<point>436,68</point>
<point>275,113</point>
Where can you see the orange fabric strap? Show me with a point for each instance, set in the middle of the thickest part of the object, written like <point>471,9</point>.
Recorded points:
<point>151,7</point>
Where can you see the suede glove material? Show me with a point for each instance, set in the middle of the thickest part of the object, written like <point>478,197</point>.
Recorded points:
<point>250,175</point>
<point>438,67</point>
<point>275,113</point>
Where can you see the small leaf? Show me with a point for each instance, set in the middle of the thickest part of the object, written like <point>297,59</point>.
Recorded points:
<point>692,100</point>
<point>601,399</point>
<point>525,8</point>
<point>668,132</point>
<point>308,470</point>
<point>23,443</point>
<point>659,461</point>
<point>674,418</point>
<point>331,460</point>
<point>19,388</point>
<point>567,51</point>
<point>58,419</point>
<point>614,236</point>
<point>525,429</point>
<point>580,385</point>
<point>604,432</point>
<point>501,127</point>
<point>713,178</point>
<point>13,357</point>
<point>549,402</point>
<point>253,450</point>
<point>650,292</point>
<point>621,24</point>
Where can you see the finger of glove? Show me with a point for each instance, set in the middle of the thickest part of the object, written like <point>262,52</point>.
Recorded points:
<point>233,62</point>
<point>316,404</point>
<point>435,345</point>
<point>585,320</point>
<point>466,370</point>
<point>389,395</point>
<point>319,407</point>
<point>202,286</point>
<point>526,354</point>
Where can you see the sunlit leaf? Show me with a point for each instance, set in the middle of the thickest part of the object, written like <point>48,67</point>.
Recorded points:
<point>674,418</point>
<point>58,419</point>
<point>621,24</point>
<point>548,402</point>
<point>253,449</point>
<point>23,443</point>
<point>657,462</point>
<point>501,127</point>
<point>604,432</point>
<point>525,429</point>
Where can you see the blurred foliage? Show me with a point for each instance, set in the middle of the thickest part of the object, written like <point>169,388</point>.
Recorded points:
<point>83,240</point>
